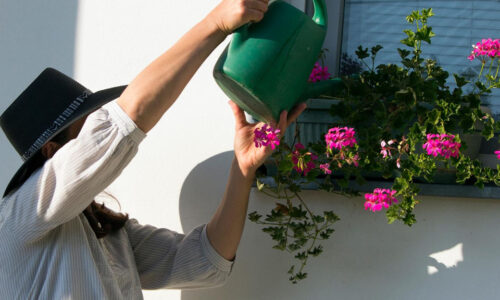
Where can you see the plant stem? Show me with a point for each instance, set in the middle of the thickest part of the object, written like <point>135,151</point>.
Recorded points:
<point>491,65</point>
<point>288,200</point>
<point>269,223</point>
<point>481,72</point>
<point>271,195</point>
<point>308,210</point>
<point>304,262</point>
<point>369,68</point>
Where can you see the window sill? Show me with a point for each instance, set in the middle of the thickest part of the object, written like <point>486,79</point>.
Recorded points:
<point>426,189</point>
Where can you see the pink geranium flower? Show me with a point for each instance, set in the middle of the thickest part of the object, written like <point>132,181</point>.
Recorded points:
<point>355,160</point>
<point>319,73</point>
<point>303,162</point>
<point>380,198</point>
<point>485,48</point>
<point>325,168</point>
<point>443,145</point>
<point>386,148</point>
<point>497,154</point>
<point>340,137</point>
<point>266,136</point>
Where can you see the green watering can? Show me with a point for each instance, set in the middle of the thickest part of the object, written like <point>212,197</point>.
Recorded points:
<point>266,67</point>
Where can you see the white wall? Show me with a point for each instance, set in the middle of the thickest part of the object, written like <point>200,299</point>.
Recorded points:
<point>33,35</point>
<point>178,176</point>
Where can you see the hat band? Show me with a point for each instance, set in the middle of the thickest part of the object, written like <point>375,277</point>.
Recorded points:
<point>56,125</point>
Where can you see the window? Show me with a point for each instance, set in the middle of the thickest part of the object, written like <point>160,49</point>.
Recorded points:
<point>457,24</point>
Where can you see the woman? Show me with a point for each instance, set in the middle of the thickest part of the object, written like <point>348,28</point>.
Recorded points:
<point>57,243</point>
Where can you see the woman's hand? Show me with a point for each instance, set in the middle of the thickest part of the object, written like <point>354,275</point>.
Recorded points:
<point>232,14</point>
<point>248,156</point>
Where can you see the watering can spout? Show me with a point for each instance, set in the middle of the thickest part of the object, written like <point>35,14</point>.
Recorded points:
<point>331,88</point>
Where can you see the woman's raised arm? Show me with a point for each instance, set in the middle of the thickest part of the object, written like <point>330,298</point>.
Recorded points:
<point>157,87</point>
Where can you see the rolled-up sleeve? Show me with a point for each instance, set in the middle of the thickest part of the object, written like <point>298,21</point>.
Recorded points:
<point>167,259</point>
<point>82,168</point>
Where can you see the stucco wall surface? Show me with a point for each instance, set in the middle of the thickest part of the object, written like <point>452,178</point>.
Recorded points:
<point>178,177</point>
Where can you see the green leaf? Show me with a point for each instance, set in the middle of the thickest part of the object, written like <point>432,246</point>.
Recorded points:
<point>285,166</point>
<point>260,185</point>
<point>424,34</point>
<point>362,53</point>
<point>434,116</point>
<point>316,250</point>
<point>302,256</point>
<point>403,53</point>
<point>375,50</point>
<point>427,13</point>
<point>254,216</point>
<point>410,40</point>
<point>460,81</point>
<point>280,246</point>
<point>298,212</point>
<point>331,216</point>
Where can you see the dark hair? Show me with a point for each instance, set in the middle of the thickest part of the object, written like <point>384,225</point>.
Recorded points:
<point>101,219</point>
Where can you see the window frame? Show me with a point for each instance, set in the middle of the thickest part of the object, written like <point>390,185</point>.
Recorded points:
<point>333,40</point>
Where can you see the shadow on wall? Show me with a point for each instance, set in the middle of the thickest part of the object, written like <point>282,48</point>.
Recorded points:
<point>203,190</point>
<point>451,253</point>
<point>33,36</point>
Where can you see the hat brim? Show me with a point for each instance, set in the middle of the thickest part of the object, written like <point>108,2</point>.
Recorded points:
<point>93,102</point>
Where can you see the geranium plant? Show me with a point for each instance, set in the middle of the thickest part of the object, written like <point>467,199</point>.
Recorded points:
<point>404,122</point>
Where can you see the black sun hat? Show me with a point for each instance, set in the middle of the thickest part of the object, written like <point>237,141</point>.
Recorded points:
<point>51,103</point>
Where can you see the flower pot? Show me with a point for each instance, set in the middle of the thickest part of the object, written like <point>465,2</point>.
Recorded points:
<point>474,140</point>
<point>487,155</point>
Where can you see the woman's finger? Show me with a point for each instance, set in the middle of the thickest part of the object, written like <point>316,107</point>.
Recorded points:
<point>259,5</point>
<point>282,124</point>
<point>295,113</point>
<point>253,15</point>
<point>239,115</point>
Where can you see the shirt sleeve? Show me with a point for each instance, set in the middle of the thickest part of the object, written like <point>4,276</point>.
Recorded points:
<point>167,259</point>
<point>82,168</point>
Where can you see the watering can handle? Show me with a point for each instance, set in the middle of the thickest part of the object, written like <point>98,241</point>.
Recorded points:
<point>320,13</point>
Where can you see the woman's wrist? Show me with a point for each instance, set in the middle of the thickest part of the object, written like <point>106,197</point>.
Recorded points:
<point>247,173</point>
<point>211,23</point>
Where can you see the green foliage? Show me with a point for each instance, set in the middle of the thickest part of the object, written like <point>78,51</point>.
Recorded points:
<point>402,102</point>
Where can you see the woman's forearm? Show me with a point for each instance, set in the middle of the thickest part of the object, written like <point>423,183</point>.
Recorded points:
<point>157,87</point>
<point>226,226</point>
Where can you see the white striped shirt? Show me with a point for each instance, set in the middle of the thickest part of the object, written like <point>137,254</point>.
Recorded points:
<point>49,251</point>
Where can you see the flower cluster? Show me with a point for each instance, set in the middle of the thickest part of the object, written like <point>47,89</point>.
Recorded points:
<point>497,153</point>
<point>400,148</point>
<point>487,47</point>
<point>325,168</point>
<point>303,162</point>
<point>319,73</point>
<point>380,198</point>
<point>353,160</point>
<point>386,148</point>
<point>442,144</point>
<point>340,137</point>
<point>266,136</point>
